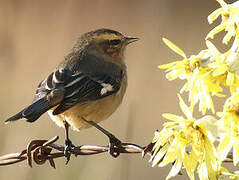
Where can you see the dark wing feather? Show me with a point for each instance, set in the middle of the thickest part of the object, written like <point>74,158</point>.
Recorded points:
<point>53,82</point>
<point>88,89</point>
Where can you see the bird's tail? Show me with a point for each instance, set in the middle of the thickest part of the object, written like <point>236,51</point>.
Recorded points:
<point>32,112</point>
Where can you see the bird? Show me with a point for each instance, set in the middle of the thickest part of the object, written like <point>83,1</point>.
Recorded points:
<point>86,87</point>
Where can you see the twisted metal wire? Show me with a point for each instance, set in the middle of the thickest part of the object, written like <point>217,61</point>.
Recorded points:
<point>42,151</point>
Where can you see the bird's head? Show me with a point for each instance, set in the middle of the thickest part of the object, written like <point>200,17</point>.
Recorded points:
<point>109,42</point>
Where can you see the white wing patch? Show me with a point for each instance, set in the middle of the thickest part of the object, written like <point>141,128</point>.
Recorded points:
<point>106,88</point>
<point>75,81</point>
<point>55,79</point>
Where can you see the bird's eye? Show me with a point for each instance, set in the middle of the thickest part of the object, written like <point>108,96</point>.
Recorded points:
<point>115,42</point>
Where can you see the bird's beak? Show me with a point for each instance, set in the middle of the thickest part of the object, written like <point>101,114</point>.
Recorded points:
<point>129,40</point>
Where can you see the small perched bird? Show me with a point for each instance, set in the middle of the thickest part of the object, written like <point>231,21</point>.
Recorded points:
<point>87,86</point>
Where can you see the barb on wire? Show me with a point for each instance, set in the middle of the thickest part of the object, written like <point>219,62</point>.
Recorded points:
<point>42,151</point>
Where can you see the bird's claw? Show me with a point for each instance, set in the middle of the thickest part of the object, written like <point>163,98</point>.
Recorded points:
<point>68,149</point>
<point>114,145</point>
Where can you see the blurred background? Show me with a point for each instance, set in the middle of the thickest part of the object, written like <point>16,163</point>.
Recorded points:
<point>36,35</point>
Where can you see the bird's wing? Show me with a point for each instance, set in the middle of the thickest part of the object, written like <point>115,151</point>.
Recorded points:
<point>93,80</point>
<point>86,80</point>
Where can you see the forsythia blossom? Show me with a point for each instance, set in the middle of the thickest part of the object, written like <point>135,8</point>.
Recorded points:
<point>229,122</point>
<point>221,66</point>
<point>203,144</point>
<point>187,142</point>
<point>230,20</point>
<point>200,84</point>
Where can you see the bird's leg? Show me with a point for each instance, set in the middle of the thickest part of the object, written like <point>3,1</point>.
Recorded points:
<point>114,142</point>
<point>68,143</point>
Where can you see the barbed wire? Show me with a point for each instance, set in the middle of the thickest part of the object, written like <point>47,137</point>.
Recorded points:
<point>42,151</point>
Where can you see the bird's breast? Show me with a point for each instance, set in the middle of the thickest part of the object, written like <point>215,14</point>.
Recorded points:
<point>96,111</point>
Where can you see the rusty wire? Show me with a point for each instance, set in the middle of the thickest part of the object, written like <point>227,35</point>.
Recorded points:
<point>42,151</point>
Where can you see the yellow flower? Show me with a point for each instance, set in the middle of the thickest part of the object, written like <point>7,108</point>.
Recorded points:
<point>224,67</point>
<point>230,20</point>
<point>225,174</point>
<point>200,84</point>
<point>179,69</point>
<point>230,125</point>
<point>187,142</point>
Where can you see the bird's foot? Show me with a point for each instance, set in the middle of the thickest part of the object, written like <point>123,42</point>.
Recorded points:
<point>68,149</point>
<point>114,145</point>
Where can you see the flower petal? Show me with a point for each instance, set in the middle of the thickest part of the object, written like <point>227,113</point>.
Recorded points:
<point>175,169</point>
<point>171,116</point>
<point>235,153</point>
<point>213,50</point>
<point>165,66</point>
<point>219,70</point>
<point>224,147</point>
<point>223,4</point>
<point>185,109</point>
<point>214,15</point>
<point>202,171</point>
<point>174,47</point>
<point>216,30</point>
<point>227,37</point>
<point>230,79</point>
<point>190,164</point>
<point>158,157</point>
